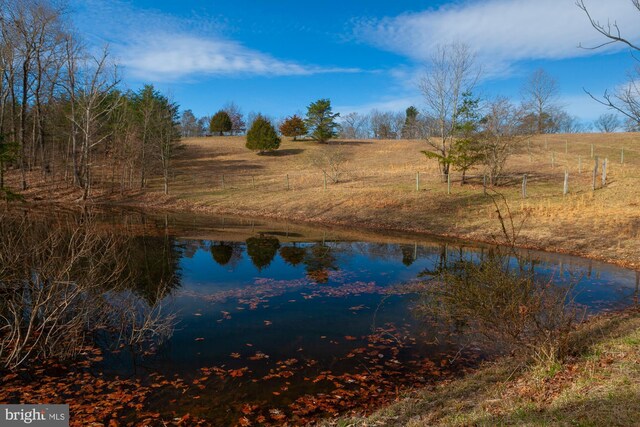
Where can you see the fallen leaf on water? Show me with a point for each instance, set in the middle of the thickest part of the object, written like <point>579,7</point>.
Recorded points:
<point>235,355</point>
<point>199,339</point>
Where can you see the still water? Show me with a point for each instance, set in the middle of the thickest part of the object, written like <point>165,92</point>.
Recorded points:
<point>280,322</point>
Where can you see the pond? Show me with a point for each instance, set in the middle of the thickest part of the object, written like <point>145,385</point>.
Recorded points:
<point>276,322</point>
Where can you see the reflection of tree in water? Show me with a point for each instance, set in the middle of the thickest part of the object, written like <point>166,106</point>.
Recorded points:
<point>67,284</point>
<point>225,253</point>
<point>293,255</point>
<point>440,264</point>
<point>262,250</point>
<point>319,261</point>
<point>154,261</point>
<point>408,255</point>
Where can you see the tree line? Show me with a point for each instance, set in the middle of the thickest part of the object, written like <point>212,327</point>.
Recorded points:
<point>63,115</point>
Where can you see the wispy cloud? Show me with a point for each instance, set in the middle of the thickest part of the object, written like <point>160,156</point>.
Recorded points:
<point>502,32</point>
<point>387,104</point>
<point>155,46</point>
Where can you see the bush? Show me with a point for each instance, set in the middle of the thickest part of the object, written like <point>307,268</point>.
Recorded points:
<point>262,136</point>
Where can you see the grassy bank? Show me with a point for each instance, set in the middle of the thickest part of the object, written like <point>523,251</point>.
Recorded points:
<point>599,386</point>
<point>377,190</point>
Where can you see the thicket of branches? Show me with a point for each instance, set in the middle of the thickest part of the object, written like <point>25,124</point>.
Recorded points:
<point>64,285</point>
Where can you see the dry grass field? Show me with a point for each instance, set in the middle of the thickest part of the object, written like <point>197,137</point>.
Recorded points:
<point>377,190</point>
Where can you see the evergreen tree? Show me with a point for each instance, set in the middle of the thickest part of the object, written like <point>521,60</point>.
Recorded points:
<point>262,136</point>
<point>221,123</point>
<point>322,121</point>
<point>410,127</point>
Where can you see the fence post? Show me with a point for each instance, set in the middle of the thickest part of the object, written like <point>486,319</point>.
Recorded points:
<point>592,151</point>
<point>524,186</point>
<point>484,184</point>
<point>622,156</point>
<point>580,164</point>
<point>546,143</point>
<point>565,190</point>
<point>253,182</point>
<point>449,183</point>
<point>604,172</point>
<point>288,182</point>
<point>566,146</point>
<point>324,174</point>
<point>417,181</point>
<point>595,173</point>
<point>553,159</point>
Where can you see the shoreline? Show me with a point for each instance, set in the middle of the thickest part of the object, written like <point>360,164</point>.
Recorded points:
<point>380,227</point>
<point>351,223</point>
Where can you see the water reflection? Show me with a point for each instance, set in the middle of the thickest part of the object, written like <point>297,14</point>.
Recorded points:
<point>267,313</point>
<point>262,250</point>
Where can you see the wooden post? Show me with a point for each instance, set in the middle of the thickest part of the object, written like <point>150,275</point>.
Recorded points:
<point>592,153</point>
<point>484,184</point>
<point>524,186</point>
<point>579,164</point>
<point>417,181</point>
<point>553,159</point>
<point>604,172</point>
<point>566,146</point>
<point>449,183</point>
<point>288,182</point>
<point>622,156</point>
<point>565,190</point>
<point>253,182</point>
<point>546,143</point>
<point>324,180</point>
<point>595,173</point>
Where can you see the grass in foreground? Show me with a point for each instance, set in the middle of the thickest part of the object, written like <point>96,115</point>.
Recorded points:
<point>598,386</point>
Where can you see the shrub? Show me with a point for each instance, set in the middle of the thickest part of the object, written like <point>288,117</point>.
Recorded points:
<point>262,136</point>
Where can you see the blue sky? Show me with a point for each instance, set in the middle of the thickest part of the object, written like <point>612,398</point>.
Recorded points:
<point>276,57</point>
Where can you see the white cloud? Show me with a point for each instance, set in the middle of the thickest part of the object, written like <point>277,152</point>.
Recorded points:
<point>154,46</point>
<point>161,56</point>
<point>502,32</point>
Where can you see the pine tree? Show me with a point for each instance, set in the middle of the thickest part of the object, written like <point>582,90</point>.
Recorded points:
<point>321,120</point>
<point>262,136</point>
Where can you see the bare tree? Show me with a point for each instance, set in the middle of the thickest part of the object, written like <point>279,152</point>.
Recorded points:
<point>626,99</point>
<point>450,74</point>
<point>331,161</point>
<point>607,123</point>
<point>238,125</point>
<point>92,101</point>
<point>501,136</point>
<point>540,95</point>
<point>354,125</point>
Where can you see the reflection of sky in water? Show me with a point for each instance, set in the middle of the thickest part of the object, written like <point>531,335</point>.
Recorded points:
<point>600,285</point>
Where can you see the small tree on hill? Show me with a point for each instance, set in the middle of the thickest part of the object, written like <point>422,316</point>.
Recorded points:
<point>410,127</point>
<point>293,126</point>
<point>262,136</point>
<point>322,121</point>
<point>220,123</point>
